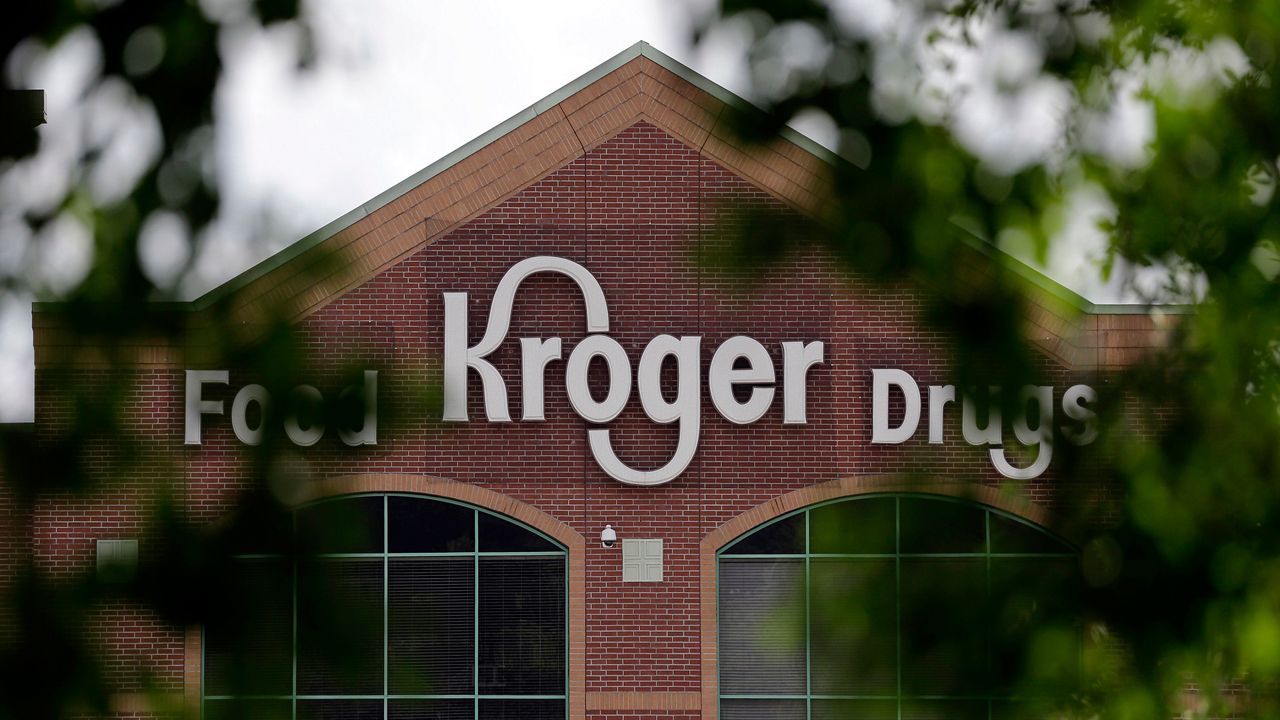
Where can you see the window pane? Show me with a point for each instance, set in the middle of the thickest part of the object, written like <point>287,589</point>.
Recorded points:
<point>853,626</point>
<point>420,525</point>
<point>855,709</point>
<point>522,626</point>
<point>785,537</point>
<point>854,526</point>
<point>762,709</point>
<point>1011,536</point>
<point>942,526</point>
<point>340,627</point>
<point>762,627</point>
<point>249,637</point>
<point>431,625</point>
<point>944,629</point>
<point>339,710</point>
<point>350,525</point>
<point>1034,598</point>
<point>498,535</point>
<point>431,710</point>
<point>522,710</point>
<point>248,710</point>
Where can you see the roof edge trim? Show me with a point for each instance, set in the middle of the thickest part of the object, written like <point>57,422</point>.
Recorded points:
<point>639,49</point>
<point>453,158</point>
<point>1057,290</point>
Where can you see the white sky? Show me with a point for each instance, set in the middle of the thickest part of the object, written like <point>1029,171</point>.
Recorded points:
<point>399,85</point>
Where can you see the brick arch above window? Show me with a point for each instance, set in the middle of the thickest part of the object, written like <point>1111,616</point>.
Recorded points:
<point>842,488</point>
<point>463,492</point>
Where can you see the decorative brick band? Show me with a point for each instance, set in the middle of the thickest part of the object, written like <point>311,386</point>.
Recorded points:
<point>144,703</point>
<point>474,495</point>
<point>644,701</point>
<point>192,672</point>
<point>812,495</point>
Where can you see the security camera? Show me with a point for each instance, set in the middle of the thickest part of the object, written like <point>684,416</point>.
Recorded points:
<point>608,537</point>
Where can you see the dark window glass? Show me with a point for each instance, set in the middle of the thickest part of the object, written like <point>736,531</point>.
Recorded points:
<point>1034,597</point>
<point>340,627</point>
<point>418,525</point>
<point>521,710</point>
<point>498,535</point>
<point>944,709</point>
<point>854,527</point>
<point>739,709</point>
<point>522,625</point>
<point>855,709</point>
<point>931,630</point>
<point>424,616</point>
<point>1011,536</point>
<point>784,537</point>
<point>249,636</point>
<point>431,710</point>
<point>350,525</point>
<point>853,626</point>
<point>941,526</point>
<point>238,709</point>
<point>431,625</point>
<point>339,710</point>
<point>762,627</point>
<point>944,634</point>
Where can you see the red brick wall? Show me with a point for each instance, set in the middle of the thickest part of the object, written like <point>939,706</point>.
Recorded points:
<point>15,532</point>
<point>638,212</point>
<point>123,479</point>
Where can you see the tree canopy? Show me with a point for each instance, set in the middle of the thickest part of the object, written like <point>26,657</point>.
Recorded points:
<point>992,117</point>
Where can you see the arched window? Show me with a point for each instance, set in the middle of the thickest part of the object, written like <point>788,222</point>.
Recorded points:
<point>400,607</point>
<point>887,607</point>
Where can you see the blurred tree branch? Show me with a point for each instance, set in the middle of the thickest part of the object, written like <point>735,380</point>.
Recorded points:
<point>990,115</point>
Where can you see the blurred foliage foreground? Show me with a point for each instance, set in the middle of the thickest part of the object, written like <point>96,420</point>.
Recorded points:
<point>997,117</point>
<point>991,116</point>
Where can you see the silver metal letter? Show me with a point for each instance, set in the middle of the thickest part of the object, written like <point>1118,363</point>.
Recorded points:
<point>304,394</point>
<point>1073,404</point>
<point>535,355</point>
<point>575,378</point>
<point>939,396</point>
<point>722,376</point>
<point>797,358</point>
<point>881,433</point>
<point>991,433</point>
<point>368,432</point>
<point>686,409</point>
<point>458,357</point>
<point>239,408</point>
<point>196,405</point>
<point>1041,435</point>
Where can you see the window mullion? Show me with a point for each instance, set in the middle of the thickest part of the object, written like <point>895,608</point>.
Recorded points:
<point>989,604</point>
<point>386,618</point>
<point>293,690</point>
<point>808,627</point>
<point>475,614</point>
<point>897,578</point>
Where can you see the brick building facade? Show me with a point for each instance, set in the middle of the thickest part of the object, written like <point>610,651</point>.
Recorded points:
<point>628,173</point>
